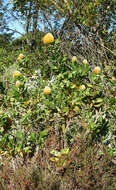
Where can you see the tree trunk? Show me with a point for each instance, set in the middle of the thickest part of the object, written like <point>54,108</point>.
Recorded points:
<point>28,21</point>
<point>35,17</point>
<point>28,18</point>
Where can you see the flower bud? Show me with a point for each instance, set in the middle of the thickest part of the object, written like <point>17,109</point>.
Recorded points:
<point>20,56</point>
<point>97,70</point>
<point>85,61</point>
<point>82,87</point>
<point>74,59</point>
<point>47,90</point>
<point>18,83</point>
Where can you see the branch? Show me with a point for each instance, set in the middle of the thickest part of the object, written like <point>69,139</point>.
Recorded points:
<point>15,31</point>
<point>47,20</point>
<point>107,49</point>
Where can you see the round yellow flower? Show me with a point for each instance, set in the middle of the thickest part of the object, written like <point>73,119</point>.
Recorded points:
<point>18,83</point>
<point>16,74</point>
<point>20,56</point>
<point>74,59</point>
<point>47,90</point>
<point>97,70</point>
<point>48,38</point>
<point>85,61</point>
<point>82,87</point>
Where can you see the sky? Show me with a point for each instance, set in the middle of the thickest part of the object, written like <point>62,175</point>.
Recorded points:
<point>18,27</point>
<point>15,25</point>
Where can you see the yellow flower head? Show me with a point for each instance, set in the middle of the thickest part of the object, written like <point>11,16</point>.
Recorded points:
<point>48,38</point>
<point>82,87</point>
<point>18,83</point>
<point>85,61</point>
<point>74,59</point>
<point>16,74</point>
<point>47,90</point>
<point>97,70</point>
<point>20,56</point>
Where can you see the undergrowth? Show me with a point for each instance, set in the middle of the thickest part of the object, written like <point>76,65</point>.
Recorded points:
<point>87,167</point>
<point>57,119</point>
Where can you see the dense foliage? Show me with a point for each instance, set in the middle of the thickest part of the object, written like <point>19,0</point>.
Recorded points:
<point>58,101</point>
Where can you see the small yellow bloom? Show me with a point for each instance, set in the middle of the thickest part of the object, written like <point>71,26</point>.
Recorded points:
<point>76,109</point>
<point>54,159</point>
<point>18,83</point>
<point>16,74</point>
<point>97,70</point>
<point>1,112</point>
<point>48,38</point>
<point>20,56</point>
<point>12,99</point>
<point>47,90</point>
<point>74,59</point>
<point>85,61</point>
<point>82,87</point>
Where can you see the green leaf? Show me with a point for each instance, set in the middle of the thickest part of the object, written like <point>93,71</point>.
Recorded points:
<point>43,133</point>
<point>57,41</point>
<point>65,151</point>
<point>92,77</point>
<point>55,153</point>
<point>54,159</point>
<point>27,149</point>
<point>98,105</point>
<point>89,85</point>
<point>65,110</point>
<point>98,100</point>
<point>53,66</point>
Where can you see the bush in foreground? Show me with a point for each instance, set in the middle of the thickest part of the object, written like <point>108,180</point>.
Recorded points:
<point>83,168</point>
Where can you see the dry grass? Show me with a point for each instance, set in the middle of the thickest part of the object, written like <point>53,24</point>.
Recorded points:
<point>88,168</point>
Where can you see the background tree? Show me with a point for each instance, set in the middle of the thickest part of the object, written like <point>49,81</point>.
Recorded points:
<point>83,24</point>
<point>88,24</point>
<point>2,17</point>
<point>5,33</point>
